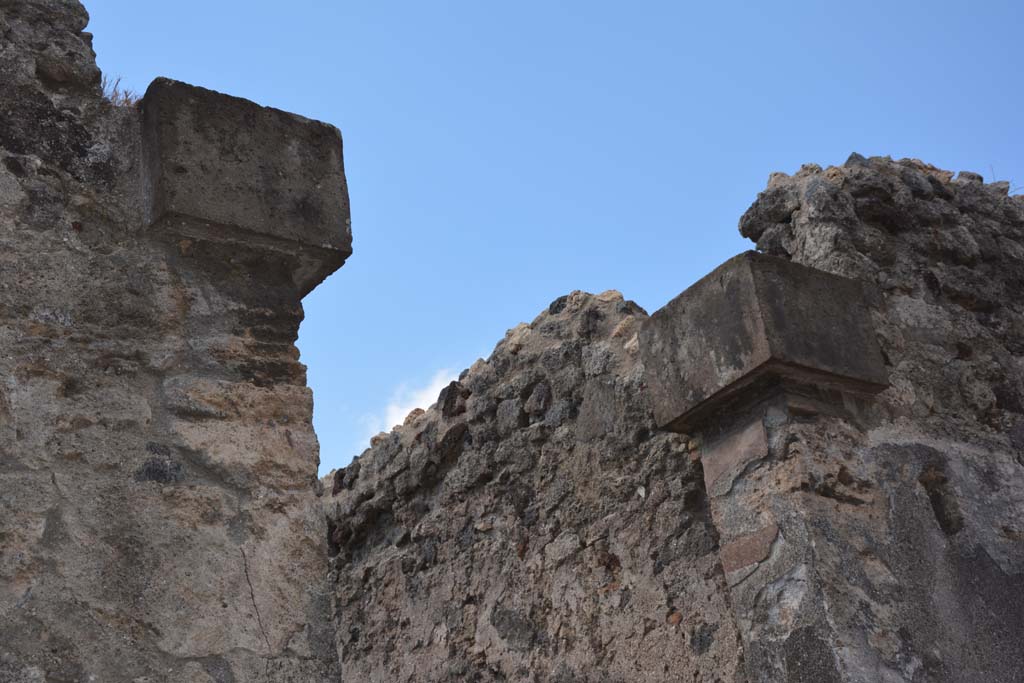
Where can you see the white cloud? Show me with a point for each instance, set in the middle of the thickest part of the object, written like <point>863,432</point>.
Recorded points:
<point>404,400</point>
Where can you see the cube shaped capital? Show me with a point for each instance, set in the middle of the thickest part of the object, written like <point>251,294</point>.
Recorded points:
<point>226,169</point>
<point>754,322</point>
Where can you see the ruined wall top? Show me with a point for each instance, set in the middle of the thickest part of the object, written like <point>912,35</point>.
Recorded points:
<point>157,458</point>
<point>210,167</point>
<point>844,504</point>
<point>853,515</point>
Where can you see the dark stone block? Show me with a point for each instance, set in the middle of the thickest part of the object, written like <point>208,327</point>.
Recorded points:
<point>226,169</point>
<point>452,400</point>
<point>702,638</point>
<point>809,659</point>
<point>517,630</point>
<point>558,305</point>
<point>161,471</point>
<point>218,668</point>
<point>752,323</point>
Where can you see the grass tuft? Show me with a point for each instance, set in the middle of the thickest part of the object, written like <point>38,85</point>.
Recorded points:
<point>118,96</point>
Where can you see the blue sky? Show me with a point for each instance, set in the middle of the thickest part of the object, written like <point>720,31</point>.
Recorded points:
<point>501,154</point>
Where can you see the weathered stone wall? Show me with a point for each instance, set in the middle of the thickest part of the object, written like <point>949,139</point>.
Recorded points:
<point>899,555</point>
<point>158,491</point>
<point>533,525</point>
<point>847,504</point>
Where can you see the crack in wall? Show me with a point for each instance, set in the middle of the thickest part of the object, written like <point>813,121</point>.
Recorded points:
<point>252,596</point>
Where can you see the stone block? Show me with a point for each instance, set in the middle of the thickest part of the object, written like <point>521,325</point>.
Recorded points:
<point>753,323</point>
<point>226,169</point>
<point>724,459</point>
<point>747,550</point>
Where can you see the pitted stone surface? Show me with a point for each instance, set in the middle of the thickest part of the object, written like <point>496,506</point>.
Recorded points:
<point>854,537</point>
<point>545,533</point>
<point>159,518</point>
<point>158,493</point>
<point>901,515</point>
